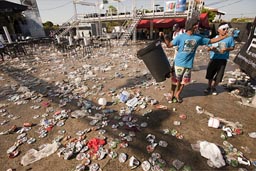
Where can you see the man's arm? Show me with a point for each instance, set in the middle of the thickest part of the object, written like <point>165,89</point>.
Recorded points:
<point>166,40</point>
<point>211,48</point>
<point>227,49</point>
<point>217,39</point>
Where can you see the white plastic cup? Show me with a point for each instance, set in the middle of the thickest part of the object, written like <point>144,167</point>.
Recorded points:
<point>124,96</point>
<point>231,81</point>
<point>214,122</point>
<point>102,101</point>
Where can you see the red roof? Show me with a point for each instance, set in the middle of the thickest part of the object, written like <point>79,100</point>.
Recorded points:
<point>204,22</point>
<point>169,22</point>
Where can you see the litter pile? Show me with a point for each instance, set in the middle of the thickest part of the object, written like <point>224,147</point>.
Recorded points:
<point>103,108</point>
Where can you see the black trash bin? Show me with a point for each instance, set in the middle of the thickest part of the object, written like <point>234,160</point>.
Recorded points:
<point>156,61</point>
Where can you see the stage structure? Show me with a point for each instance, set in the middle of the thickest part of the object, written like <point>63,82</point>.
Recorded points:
<point>34,26</point>
<point>174,9</point>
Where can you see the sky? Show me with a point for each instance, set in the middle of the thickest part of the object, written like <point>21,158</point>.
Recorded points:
<point>60,11</point>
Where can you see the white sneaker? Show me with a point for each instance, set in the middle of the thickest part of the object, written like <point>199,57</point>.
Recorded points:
<point>214,92</point>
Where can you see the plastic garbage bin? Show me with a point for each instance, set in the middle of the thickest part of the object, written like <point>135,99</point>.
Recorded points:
<point>156,61</point>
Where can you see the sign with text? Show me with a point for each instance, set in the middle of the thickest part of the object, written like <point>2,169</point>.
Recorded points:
<point>170,6</point>
<point>246,58</point>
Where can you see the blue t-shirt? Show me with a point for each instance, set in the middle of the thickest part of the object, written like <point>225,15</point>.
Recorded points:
<point>225,43</point>
<point>187,45</point>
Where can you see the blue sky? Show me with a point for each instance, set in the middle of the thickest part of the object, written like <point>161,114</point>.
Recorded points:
<point>60,11</point>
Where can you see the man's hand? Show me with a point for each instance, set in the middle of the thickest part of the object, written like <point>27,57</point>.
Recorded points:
<point>222,51</point>
<point>161,34</point>
<point>212,48</point>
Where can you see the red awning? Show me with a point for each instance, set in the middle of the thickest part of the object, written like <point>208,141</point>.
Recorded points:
<point>204,22</point>
<point>144,24</point>
<point>161,23</point>
<point>169,22</point>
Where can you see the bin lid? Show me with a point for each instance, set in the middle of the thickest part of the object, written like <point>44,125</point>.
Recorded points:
<point>151,46</point>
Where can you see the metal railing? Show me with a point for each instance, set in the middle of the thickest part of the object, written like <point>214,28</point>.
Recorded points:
<point>67,26</point>
<point>130,28</point>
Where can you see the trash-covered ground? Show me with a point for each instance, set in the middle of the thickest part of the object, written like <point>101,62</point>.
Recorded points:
<point>104,111</point>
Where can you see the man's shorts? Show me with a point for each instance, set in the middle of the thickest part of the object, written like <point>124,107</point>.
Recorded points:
<point>182,75</point>
<point>216,69</point>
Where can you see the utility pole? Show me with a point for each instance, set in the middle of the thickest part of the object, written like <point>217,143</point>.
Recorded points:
<point>153,7</point>
<point>133,5</point>
<point>99,30</point>
<point>75,10</point>
<point>134,13</point>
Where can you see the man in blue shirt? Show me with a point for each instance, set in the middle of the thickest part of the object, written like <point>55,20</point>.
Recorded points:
<point>187,44</point>
<point>219,54</point>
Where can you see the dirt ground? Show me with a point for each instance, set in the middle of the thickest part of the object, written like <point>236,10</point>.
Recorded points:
<point>60,81</point>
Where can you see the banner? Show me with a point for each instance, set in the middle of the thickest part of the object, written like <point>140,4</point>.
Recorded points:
<point>170,6</point>
<point>180,5</point>
<point>246,58</point>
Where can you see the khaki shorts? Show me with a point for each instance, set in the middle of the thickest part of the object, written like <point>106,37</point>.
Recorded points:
<point>182,75</point>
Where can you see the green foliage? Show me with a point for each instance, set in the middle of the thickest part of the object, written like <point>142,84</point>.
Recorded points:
<point>55,27</point>
<point>211,15</point>
<point>48,25</point>
<point>112,9</point>
<point>241,20</point>
<point>111,24</point>
<point>147,11</point>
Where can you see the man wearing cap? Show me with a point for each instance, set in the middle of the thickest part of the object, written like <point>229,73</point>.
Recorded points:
<point>187,44</point>
<point>176,32</point>
<point>219,54</point>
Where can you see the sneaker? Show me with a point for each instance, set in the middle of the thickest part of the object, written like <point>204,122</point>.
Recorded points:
<point>214,92</point>
<point>208,90</point>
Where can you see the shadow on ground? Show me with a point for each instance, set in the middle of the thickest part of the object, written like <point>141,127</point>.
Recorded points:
<point>157,120</point>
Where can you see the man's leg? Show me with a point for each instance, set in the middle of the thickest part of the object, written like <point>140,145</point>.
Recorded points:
<point>183,77</point>
<point>173,88</point>
<point>221,65</point>
<point>210,83</point>
<point>169,96</point>
<point>210,72</point>
<point>179,90</point>
<point>209,88</point>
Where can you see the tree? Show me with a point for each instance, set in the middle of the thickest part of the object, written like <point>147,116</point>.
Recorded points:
<point>241,20</point>
<point>48,25</point>
<point>111,24</point>
<point>112,10</point>
<point>211,15</point>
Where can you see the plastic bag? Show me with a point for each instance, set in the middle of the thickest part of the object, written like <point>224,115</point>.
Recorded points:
<point>212,152</point>
<point>33,155</point>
